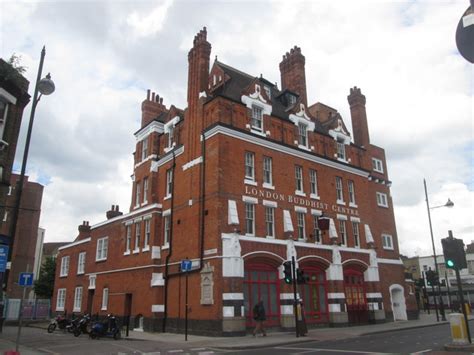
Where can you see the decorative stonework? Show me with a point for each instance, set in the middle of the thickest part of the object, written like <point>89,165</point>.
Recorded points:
<point>207,284</point>
<point>232,262</point>
<point>372,272</point>
<point>334,271</point>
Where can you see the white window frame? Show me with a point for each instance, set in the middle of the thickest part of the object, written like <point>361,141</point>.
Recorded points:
<point>343,231</point>
<point>250,166</point>
<point>166,230</point>
<point>64,266</point>
<point>3,120</point>
<point>128,238</point>
<point>170,136</point>
<point>313,183</point>
<point>144,148</point>
<point>341,150</point>
<point>249,219</point>
<point>146,240</point>
<point>339,192</point>
<point>105,299</point>
<point>382,199</point>
<point>267,171</point>
<point>300,225</point>
<point>299,179</point>
<point>169,182</point>
<point>102,249</point>
<point>256,121</point>
<point>77,299</point>
<point>267,91</point>
<point>138,230</point>
<point>270,221</point>
<point>351,187</point>
<point>138,191</point>
<point>145,190</point>
<point>377,165</point>
<point>303,134</point>
<point>316,230</point>
<point>81,263</point>
<point>387,241</point>
<point>356,234</point>
<point>92,279</point>
<point>61,299</point>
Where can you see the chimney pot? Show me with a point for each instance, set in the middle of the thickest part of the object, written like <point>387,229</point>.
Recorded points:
<point>148,94</point>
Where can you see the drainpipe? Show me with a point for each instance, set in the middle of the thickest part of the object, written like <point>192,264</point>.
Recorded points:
<point>201,228</point>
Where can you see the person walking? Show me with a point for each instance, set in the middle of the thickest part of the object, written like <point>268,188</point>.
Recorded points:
<point>259,317</point>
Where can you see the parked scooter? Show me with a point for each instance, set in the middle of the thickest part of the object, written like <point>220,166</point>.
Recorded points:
<point>106,328</point>
<point>82,325</point>
<point>60,322</point>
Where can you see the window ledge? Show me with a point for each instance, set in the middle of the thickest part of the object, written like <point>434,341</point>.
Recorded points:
<point>269,237</point>
<point>249,235</point>
<point>304,147</point>
<point>166,246</point>
<point>103,309</point>
<point>314,196</point>
<point>353,205</point>
<point>147,248</point>
<point>63,275</point>
<point>127,252</point>
<point>80,273</point>
<point>342,160</point>
<point>167,197</point>
<point>341,202</point>
<point>384,206</point>
<point>268,186</point>
<point>260,133</point>
<point>99,260</point>
<point>387,248</point>
<point>250,182</point>
<point>59,309</point>
<point>136,251</point>
<point>300,193</point>
<point>76,310</point>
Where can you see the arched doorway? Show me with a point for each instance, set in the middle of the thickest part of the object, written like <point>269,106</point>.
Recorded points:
<point>354,289</point>
<point>397,299</point>
<point>314,295</point>
<point>261,282</point>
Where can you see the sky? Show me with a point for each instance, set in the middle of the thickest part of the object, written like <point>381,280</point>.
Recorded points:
<point>104,55</point>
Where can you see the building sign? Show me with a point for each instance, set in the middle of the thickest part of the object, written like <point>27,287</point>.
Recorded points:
<point>3,257</point>
<point>298,200</point>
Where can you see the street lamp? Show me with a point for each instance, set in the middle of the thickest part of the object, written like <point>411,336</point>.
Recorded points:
<point>43,86</point>
<point>448,204</point>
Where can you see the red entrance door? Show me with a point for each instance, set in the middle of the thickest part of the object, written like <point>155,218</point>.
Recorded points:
<point>261,282</point>
<point>354,288</point>
<point>314,294</point>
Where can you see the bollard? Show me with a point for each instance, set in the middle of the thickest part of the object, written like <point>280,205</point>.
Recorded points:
<point>458,329</point>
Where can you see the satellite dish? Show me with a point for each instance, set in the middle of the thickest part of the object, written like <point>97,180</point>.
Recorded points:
<point>465,35</point>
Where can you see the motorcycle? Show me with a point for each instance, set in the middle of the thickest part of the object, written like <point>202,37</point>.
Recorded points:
<point>82,325</point>
<point>106,328</point>
<point>59,322</point>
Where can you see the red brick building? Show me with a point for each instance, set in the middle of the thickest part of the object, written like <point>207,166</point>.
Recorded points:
<point>240,182</point>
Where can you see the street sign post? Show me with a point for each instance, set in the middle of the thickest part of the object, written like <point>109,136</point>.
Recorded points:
<point>25,279</point>
<point>186,266</point>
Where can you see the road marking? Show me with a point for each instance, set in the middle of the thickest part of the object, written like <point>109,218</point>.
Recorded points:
<point>422,351</point>
<point>197,349</point>
<point>48,351</point>
<point>175,351</point>
<point>331,350</point>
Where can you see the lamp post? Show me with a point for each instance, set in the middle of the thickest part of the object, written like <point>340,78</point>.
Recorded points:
<point>449,203</point>
<point>43,86</point>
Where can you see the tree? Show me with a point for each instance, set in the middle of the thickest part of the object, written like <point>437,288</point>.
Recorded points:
<point>44,286</point>
<point>13,71</point>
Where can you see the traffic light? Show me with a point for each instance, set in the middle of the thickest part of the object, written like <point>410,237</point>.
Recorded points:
<point>432,278</point>
<point>454,254</point>
<point>301,278</point>
<point>287,272</point>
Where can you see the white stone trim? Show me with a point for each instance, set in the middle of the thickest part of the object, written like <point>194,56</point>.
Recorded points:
<point>75,243</point>
<point>374,306</point>
<point>166,212</point>
<point>286,309</point>
<point>287,150</point>
<point>158,308</point>
<point>192,163</point>
<point>228,312</point>
<point>155,252</point>
<point>316,212</point>
<point>390,261</point>
<point>7,96</point>
<point>157,279</point>
<point>355,219</point>
<point>272,204</point>
<point>153,126</point>
<point>167,158</point>
<point>368,234</point>
<point>301,209</point>
<point>373,295</point>
<point>341,217</point>
<point>334,308</point>
<point>233,217</point>
<point>249,199</point>
<point>233,296</point>
<point>336,295</point>
<point>129,215</point>
<point>287,296</point>
<point>172,122</point>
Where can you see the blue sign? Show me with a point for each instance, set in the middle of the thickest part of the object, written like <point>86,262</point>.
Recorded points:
<point>3,257</point>
<point>26,279</point>
<point>186,265</point>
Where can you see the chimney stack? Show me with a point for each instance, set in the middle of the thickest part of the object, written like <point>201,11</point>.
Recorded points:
<point>113,212</point>
<point>360,127</point>
<point>198,71</point>
<point>293,75</point>
<point>152,106</point>
<point>84,230</point>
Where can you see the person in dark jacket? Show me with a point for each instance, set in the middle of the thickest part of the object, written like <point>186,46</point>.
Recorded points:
<point>259,317</point>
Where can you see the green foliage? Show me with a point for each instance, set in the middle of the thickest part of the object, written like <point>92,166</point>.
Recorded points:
<point>44,286</point>
<point>14,61</point>
<point>12,71</point>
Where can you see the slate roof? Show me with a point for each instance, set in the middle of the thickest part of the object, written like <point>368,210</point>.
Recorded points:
<point>233,87</point>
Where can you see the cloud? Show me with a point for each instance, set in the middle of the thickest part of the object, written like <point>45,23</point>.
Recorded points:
<point>104,55</point>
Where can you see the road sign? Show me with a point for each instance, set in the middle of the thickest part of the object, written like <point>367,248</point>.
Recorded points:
<point>186,265</point>
<point>26,279</point>
<point>3,257</point>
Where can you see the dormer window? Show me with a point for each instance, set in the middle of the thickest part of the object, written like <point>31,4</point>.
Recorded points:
<point>291,99</point>
<point>341,150</point>
<point>170,136</point>
<point>302,134</point>
<point>257,118</point>
<point>268,91</point>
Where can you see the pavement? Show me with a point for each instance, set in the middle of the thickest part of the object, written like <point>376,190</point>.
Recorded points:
<point>276,338</point>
